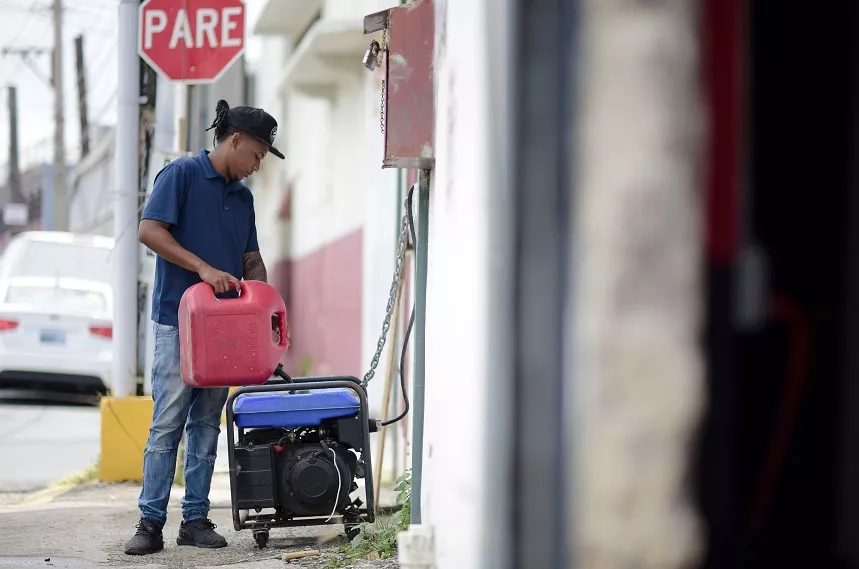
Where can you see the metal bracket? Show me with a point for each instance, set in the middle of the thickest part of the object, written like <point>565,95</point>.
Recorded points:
<point>376,22</point>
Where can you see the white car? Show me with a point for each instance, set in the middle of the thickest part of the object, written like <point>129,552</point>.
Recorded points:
<point>56,312</point>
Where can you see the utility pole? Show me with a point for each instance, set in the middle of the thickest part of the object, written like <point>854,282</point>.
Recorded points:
<point>16,192</point>
<point>148,127</point>
<point>61,199</point>
<point>79,57</point>
<point>125,217</point>
<point>191,114</point>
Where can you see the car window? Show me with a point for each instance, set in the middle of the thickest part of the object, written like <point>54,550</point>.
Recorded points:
<point>63,260</point>
<point>72,298</point>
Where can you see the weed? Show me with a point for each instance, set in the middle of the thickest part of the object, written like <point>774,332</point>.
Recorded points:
<point>380,537</point>
<point>179,474</point>
<point>305,366</point>
<point>82,477</point>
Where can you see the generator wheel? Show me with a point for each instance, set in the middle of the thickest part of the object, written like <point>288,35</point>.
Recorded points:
<point>352,531</point>
<point>261,537</point>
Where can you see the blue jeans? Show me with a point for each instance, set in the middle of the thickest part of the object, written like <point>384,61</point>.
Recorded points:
<point>175,405</point>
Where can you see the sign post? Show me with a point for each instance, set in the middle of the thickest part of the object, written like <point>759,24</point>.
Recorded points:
<point>191,41</point>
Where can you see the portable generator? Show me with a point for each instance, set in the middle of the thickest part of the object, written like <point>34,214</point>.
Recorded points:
<point>302,446</point>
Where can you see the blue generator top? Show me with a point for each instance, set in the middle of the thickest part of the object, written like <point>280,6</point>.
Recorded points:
<point>288,410</point>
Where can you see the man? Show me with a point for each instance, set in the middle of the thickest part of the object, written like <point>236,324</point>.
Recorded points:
<point>200,222</point>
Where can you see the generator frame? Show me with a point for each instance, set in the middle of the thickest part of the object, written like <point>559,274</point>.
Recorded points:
<point>262,523</point>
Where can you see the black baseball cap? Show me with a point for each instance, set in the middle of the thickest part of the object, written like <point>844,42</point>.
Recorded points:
<point>256,123</point>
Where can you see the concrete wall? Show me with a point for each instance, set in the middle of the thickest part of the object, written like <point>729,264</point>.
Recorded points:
<point>342,206</point>
<point>638,392</point>
<point>458,373</point>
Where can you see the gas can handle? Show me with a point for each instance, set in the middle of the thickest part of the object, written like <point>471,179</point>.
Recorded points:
<point>232,287</point>
<point>282,329</point>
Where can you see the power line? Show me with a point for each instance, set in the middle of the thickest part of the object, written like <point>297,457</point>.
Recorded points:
<point>87,16</point>
<point>26,55</point>
<point>21,30</point>
<point>46,12</point>
<point>98,81</point>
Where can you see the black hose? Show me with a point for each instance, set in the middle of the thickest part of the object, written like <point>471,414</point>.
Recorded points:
<point>405,412</point>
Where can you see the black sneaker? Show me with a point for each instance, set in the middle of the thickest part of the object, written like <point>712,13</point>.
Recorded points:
<point>148,539</point>
<point>200,533</point>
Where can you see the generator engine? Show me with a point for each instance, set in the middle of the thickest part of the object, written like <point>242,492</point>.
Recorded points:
<point>304,473</point>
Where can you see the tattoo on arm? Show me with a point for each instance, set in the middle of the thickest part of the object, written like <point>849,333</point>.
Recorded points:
<point>254,268</point>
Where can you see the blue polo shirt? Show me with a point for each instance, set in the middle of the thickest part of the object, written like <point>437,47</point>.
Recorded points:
<point>208,216</point>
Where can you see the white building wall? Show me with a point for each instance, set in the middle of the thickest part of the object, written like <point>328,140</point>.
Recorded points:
<point>458,375</point>
<point>382,214</point>
<point>92,191</point>
<point>269,184</point>
<point>351,9</point>
<point>333,146</point>
<point>339,188</point>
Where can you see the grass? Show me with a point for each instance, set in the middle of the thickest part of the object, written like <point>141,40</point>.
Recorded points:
<point>179,475</point>
<point>379,539</point>
<point>88,475</point>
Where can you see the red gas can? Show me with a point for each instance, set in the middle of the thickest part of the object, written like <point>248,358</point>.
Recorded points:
<point>231,341</point>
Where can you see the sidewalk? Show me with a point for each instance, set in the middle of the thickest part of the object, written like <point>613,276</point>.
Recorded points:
<point>88,526</point>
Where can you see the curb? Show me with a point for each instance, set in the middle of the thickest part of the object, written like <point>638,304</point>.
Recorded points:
<point>46,495</point>
<point>53,491</point>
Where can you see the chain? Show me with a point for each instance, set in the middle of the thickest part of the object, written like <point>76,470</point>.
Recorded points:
<point>382,50</point>
<point>392,298</point>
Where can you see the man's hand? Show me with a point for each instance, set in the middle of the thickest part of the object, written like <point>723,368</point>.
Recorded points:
<point>219,280</point>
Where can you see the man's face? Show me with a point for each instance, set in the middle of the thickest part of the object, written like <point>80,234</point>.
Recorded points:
<point>246,156</point>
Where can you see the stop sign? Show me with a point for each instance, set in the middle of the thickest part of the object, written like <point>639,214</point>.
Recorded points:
<point>191,41</point>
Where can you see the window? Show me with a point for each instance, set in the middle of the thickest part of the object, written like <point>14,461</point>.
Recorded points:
<point>72,298</point>
<point>63,260</point>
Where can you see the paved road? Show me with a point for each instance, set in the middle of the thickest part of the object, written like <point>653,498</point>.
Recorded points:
<point>44,440</point>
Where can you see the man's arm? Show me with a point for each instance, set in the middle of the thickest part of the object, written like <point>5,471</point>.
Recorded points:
<point>252,265</point>
<point>254,268</point>
<point>156,235</point>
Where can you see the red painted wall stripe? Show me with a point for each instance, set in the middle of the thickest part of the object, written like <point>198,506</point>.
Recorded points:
<point>723,50</point>
<point>323,301</point>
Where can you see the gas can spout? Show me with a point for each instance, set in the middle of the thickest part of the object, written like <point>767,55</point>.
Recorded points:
<point>282,374</point>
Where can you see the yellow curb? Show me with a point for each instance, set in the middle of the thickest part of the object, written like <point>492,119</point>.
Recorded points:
<point>60,487</point>
<point>46,495</point>
<point>125,423</point>
<point>49,494</point>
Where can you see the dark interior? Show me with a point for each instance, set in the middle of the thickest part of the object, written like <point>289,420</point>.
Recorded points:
<point>778,477</point>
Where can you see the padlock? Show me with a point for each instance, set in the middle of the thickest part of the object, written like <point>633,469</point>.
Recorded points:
<point>370,56</point>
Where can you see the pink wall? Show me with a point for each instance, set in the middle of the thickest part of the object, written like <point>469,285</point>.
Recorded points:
<point>323,301</point>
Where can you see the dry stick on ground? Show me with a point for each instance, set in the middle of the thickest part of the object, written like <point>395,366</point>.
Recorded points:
<point>386,397</point>
<point>300,554</point>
